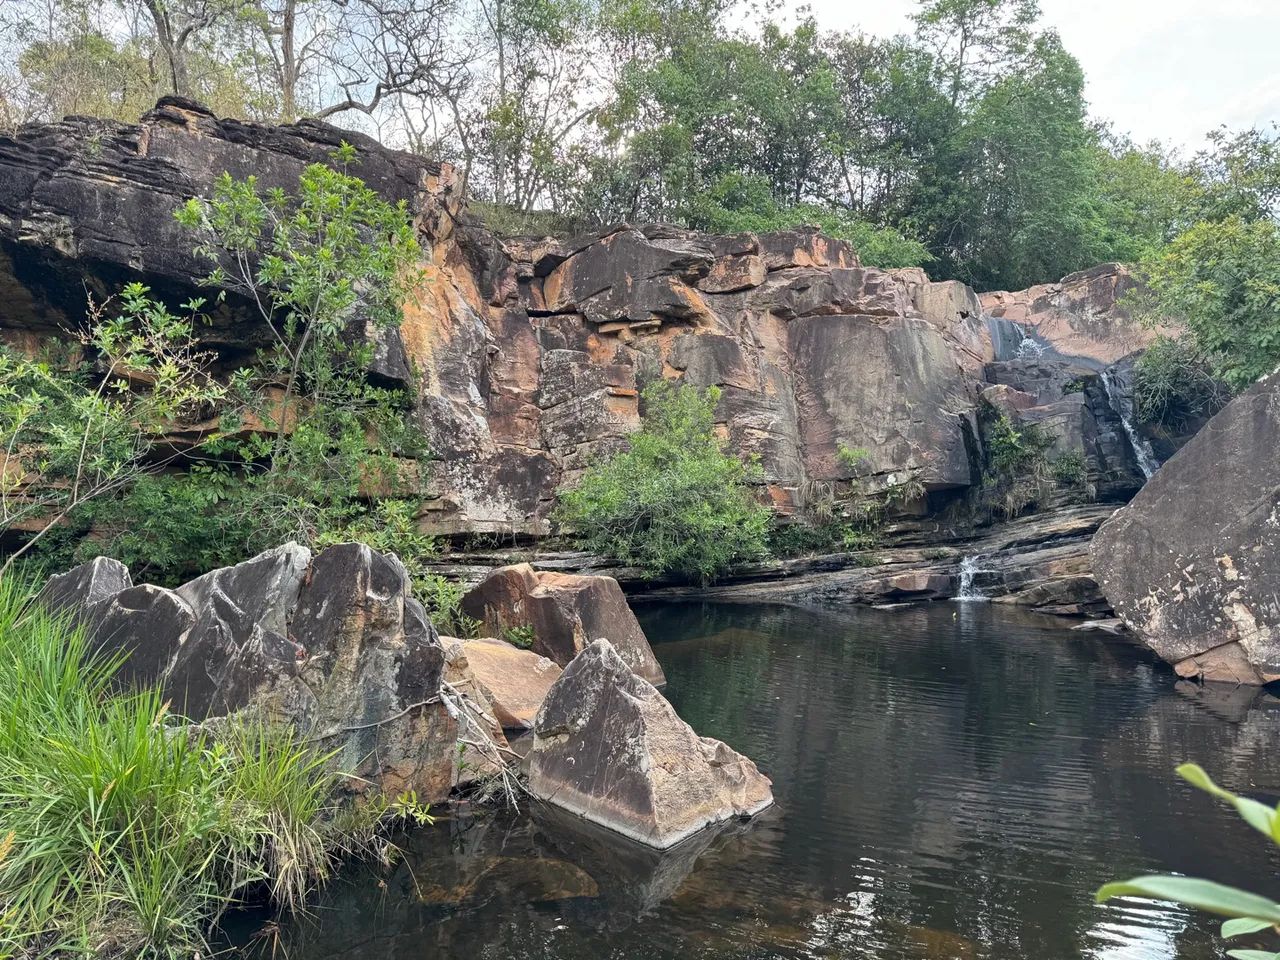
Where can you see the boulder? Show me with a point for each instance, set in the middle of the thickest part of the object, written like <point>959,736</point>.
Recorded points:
<point>565,611</point>
<point>242,625</point>
<point>81,591</point>
<point>333,644</point>
<point>610,748</point>
<point>1192,564</point>
<point>149,624</point>
<point>513,682</point>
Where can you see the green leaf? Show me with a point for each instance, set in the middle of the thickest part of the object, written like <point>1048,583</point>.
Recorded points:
<point>1203,894</point>
<point>1242,925</point>
<point>1258,815</point>
<point>1253,955</point>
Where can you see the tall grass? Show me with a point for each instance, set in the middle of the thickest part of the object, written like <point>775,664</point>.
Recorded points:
<point>123,832</point>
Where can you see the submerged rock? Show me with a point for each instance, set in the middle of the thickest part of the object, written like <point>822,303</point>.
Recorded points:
<point>565,612</point>
<point>1192,564</point>
<point>610,748</point>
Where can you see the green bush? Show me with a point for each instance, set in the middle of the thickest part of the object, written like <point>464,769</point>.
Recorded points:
<point>1173,384</point>
<point>674,502</point>
<point>123,832</point>
<point>1249,912</point>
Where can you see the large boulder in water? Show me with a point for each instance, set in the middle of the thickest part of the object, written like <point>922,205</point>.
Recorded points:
<point>566,612</point>
<point>1192,564</point>
<point>610,748</point>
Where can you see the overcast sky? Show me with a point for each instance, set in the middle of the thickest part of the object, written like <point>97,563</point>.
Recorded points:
<point>1159,69</point>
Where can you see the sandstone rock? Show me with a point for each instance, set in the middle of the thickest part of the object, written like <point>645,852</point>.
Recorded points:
<point>514,682</point>
<point>1080,317</point>
<point>608,747</point>
<point>1191,563</point>
<point>566,611</point>
<point>242,625</point>
<point>333,644</point>
<point>149,624</point>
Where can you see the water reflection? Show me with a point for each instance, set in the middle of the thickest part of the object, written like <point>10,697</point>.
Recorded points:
<point>951,781</point>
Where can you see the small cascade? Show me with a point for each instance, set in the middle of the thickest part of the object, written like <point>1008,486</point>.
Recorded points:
<point>1142,451</point>
<point>1007,337</point>
<point>968,593</point>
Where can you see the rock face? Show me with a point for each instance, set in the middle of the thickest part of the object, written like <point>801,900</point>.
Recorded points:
<point>332,643</point>
<point>608,747</point>
<point>1192,564</point>
<point>1081,317</point>
<point>566,612</point>
<point>513,682</point>
<point>528,355</point>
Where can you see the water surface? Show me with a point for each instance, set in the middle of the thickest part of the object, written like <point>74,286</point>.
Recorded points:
<point>953,781</point>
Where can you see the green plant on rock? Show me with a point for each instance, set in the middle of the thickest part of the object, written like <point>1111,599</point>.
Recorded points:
<point>74,436</point>
<point>521,636</point>
<point>1019,472</point>
<point>674,502</point>
<point>1249,913</point>
<point>1174,385</point>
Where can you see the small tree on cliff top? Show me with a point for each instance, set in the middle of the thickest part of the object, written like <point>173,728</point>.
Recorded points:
<point>674,502</point>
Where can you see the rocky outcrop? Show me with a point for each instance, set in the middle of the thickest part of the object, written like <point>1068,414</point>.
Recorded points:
<point>565,613</point>
<point>332,643</point>
<point>610,748</point>
<point>527,356</point>
<point>511,682</point>
<point>1191,563</point>
<point>1083,317</point>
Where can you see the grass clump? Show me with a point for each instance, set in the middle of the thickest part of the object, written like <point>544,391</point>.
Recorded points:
<point>126,832</point>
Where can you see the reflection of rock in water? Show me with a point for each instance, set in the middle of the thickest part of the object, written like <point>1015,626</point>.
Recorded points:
<point>1233,703</point>
<point>632,878</point>
<point>478,883</point>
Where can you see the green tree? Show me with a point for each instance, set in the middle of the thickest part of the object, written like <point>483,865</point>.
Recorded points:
<point>1221,279</point>
<point>72,437</point>
<point>674,502</point>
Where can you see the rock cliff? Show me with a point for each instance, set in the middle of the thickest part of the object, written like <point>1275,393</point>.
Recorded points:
<point>1191,563</point>
<point>527,356</point>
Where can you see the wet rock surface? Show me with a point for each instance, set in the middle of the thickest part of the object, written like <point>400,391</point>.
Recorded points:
<point>1191,563</point>
<point>608,747</point>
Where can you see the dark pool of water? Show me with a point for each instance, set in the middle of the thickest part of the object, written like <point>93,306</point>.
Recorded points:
<point>953,781</point>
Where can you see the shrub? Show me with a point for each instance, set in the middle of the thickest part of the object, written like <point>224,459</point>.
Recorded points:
<point>1173,384</point>
<point>1018,467</point>
<point>674,502</point>
<point>1249,912</point>
<point>129,833</point>
<point>521,636</point>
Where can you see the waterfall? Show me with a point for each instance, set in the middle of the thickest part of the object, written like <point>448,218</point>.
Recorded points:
<point>1142,451</point>
<point>967,592</point>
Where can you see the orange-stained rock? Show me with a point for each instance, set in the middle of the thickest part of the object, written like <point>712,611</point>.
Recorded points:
<point>731,274</point>
<point>1082,315</point>
<point>566,612</point>
<point>512,681</point>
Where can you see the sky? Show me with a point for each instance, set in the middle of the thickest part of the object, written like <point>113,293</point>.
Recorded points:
<point>1169,70</point>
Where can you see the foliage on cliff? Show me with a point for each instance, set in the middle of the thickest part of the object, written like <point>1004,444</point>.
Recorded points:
<point>298,445</point>
<point>674,502</point>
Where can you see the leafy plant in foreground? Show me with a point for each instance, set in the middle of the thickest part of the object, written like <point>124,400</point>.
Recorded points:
<point>1249,912</point>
